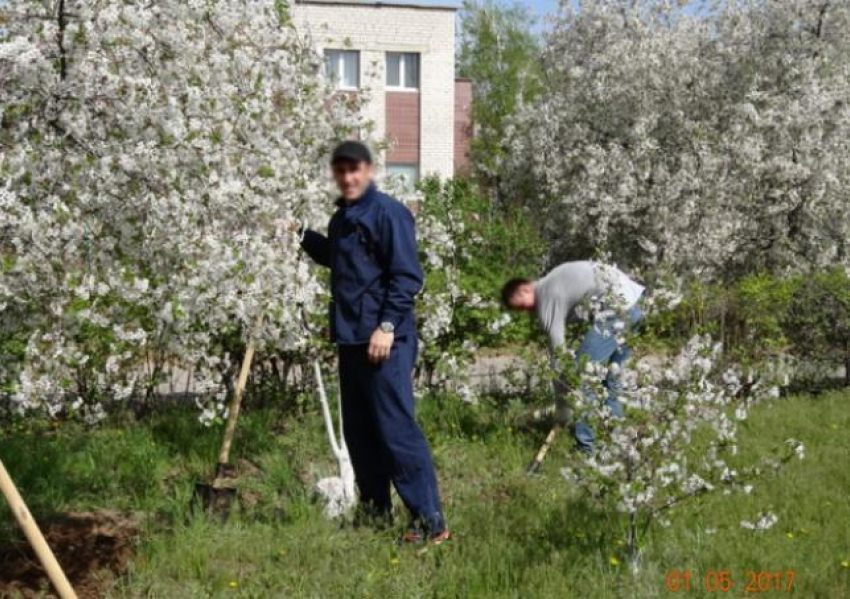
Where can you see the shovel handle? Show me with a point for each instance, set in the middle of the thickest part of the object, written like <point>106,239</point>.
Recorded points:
<point>544,449</point>
<point>233,416</point>
<point>36,539</point>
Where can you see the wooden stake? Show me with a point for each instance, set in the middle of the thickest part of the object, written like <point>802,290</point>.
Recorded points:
<point>36,539</point>
<point>233,416</point>
<point>544,449</point>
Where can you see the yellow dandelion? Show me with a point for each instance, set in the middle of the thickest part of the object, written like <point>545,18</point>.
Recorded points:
<point>614,561</point>
<point>845,563</point>
<point>233,584</point>
<point>394,561</point>
<point>790,535</point>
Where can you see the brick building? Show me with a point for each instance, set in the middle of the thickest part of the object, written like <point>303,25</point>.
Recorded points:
<point>402,55</point>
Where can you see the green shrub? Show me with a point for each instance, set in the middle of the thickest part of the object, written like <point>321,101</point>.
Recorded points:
<point>492,245</point>
<point>762,316</point>
<point>818,322</point>
<point>747,316</point>
<point>762,303</point>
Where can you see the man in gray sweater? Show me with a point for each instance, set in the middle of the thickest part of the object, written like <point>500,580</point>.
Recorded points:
<point>614,298</point>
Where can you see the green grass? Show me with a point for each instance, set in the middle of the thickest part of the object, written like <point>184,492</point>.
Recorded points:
<point>515,536</point>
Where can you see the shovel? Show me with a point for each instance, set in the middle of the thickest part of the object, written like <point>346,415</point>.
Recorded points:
<point>36,539</point>
<point>217,497</point>
<point>535,464</point>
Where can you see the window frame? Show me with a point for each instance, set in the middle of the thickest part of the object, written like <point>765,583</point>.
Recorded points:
<point>417,166</point>
<point>402,72</point>
<point>339,83</point>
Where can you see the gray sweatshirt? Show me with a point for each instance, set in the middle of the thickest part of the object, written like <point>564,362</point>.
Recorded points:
<point>558,293</point>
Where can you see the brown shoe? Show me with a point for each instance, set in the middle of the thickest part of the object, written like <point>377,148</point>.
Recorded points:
<point>416,537</point>
<point>412,537</point>
<point>440,537</point>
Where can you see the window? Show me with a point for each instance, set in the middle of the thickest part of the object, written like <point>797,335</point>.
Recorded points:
<point>408,173</point>
<point>343,68</point>
<point>402,70</point>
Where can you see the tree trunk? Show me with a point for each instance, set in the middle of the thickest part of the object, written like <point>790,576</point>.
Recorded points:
<point>847,369</point>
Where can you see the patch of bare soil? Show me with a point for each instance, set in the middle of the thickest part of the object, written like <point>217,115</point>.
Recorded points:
<point>93,548</point>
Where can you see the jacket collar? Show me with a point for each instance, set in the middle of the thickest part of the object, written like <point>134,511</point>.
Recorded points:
<point>367,198</point>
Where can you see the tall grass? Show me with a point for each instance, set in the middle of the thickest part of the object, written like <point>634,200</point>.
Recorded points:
<point>515,536</point>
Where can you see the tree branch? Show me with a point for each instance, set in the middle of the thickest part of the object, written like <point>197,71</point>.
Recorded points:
<point>60,40</point>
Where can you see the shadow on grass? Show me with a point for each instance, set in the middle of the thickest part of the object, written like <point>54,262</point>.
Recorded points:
<point>37,466</point>
<point>77,466</point>
<point>563,523</point>
<point>445,416</point>
<point>123,463</point>
<point>816,386</point>
<point>178,429</point>
<point>582,526</point>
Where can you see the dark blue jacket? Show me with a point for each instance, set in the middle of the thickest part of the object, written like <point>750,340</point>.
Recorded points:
<point>375,273</point>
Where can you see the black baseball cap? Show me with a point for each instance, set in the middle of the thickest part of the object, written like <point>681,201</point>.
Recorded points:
<point>354,151</point>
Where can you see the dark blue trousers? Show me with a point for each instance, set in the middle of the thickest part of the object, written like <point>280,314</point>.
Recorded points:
<point>386,444</point>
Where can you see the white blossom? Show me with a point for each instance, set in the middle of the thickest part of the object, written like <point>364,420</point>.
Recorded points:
<point>153,157</point>
<point>675,436</point>
<point>765,521</point>
<point>656,140</point>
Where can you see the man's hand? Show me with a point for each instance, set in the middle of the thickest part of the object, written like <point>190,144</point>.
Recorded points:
<point>379,346</point>
<point>288,225</point>
<point>563,412</point>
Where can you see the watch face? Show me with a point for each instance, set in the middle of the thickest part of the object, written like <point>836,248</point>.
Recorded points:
<point>387,327</point>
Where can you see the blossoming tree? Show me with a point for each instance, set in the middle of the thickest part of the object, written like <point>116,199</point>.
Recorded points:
<point>152,160</point>
<point>149,156</point>
<point>712,140</point>
<point>679,434</point>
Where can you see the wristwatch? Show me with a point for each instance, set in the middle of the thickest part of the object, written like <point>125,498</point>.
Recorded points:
<point>387,327</point>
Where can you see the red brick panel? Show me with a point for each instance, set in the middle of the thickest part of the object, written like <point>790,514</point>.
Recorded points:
<point>463,125</point>
<point>403,127</point>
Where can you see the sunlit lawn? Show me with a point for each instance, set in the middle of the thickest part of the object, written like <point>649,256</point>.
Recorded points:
<point>515,536</point>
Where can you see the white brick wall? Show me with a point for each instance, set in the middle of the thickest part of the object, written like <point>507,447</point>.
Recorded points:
<point>375,30</point>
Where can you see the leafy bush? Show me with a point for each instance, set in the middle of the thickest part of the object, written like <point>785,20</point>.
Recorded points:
<point>758,317</point>
<point>491,246</point>
<point>762,303</point>
<point>818,321</point>
<point>747,316</point>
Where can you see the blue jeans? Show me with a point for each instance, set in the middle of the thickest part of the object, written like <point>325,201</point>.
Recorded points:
<point>600,345</point>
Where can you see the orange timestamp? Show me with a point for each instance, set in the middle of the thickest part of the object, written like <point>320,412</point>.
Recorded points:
<point>723,581</point>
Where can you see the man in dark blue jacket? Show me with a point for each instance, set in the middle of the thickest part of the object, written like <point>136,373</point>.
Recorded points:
<point>375,276</point>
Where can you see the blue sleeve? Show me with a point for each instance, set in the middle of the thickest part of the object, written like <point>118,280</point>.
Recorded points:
<point>317,246</point>
<point>404,275</point>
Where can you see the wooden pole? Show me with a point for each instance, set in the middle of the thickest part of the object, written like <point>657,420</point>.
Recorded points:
<point>544,449</point>
<point>233,416</point>
<point>36,539</point>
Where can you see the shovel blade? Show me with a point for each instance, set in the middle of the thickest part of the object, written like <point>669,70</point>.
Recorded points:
<point>533,467</point>
<point>214,500</point>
